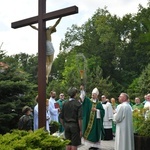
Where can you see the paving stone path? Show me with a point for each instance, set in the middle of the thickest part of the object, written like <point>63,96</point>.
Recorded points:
<point>105,145</point>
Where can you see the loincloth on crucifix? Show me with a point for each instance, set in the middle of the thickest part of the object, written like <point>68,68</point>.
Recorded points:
<point>49,48</point>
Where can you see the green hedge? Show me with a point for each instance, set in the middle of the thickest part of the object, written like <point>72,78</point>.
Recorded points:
<point>38,140</point>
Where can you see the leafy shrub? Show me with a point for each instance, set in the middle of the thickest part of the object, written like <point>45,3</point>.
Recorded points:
<point>55,123</point>
<point>54,126</point>
<point>38,140</point>
<point>141,122</point>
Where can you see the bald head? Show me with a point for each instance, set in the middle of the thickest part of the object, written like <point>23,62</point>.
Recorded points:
<point>137,100</point>
<point>123,97</point>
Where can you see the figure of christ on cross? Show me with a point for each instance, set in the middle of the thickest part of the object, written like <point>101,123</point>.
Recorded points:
<point>49,47</point>
<point>41,20</point>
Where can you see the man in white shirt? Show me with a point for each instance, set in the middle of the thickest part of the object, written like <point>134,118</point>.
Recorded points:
<point>54,112</point>
<point>108,117</point>
<point>82,92</point>
<point>35,126</point>
<point>147,104</point>
<point>124,128</point>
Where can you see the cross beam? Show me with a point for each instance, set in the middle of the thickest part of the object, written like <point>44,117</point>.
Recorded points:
<point>41,20</point>
<point>49,16</point>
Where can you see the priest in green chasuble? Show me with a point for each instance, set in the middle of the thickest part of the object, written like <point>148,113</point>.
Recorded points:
<point>93,114</point>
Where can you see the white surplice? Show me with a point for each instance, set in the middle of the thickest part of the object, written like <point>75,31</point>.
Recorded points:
<point>35,117</point>
<point>107,121</point>
<point>124,139</point>
<point>35,120</point>
<point>53,111</point>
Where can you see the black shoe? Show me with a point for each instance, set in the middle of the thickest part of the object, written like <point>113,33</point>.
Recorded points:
<point>93,148</point>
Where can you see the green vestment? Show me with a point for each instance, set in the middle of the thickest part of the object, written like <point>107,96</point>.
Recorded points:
<point>114,106</point>
<point>92,126</point>
<point>137,106</point>
<point>61,102</point>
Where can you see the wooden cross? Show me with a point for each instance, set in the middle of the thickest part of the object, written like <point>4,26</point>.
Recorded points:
<point>41,20</point>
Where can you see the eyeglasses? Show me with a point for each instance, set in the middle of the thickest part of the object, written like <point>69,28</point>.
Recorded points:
<point>61,95</point>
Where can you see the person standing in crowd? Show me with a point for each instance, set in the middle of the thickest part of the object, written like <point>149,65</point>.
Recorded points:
<point>26,121</point>
<point>108,117</point>
<point>145,99</point>
<point>82,92</point>
<point>71,118</point>
<point>36,115</point>
<point>61,101</point>
<point>124,125</point>
<point>147,104</point>
<point>114,107</point>
<point>54,111</point>
<point>113,104</point>
<point>138,104</point>
<point>93,114</point>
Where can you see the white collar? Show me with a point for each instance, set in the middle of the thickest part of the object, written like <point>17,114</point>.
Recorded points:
<point>94,100</point>
<point>71,99</point>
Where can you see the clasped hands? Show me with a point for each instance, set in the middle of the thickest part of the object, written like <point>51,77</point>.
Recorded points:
<point>94,109</point>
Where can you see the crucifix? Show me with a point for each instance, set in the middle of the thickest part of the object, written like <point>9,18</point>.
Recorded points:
<point>41,20</point>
